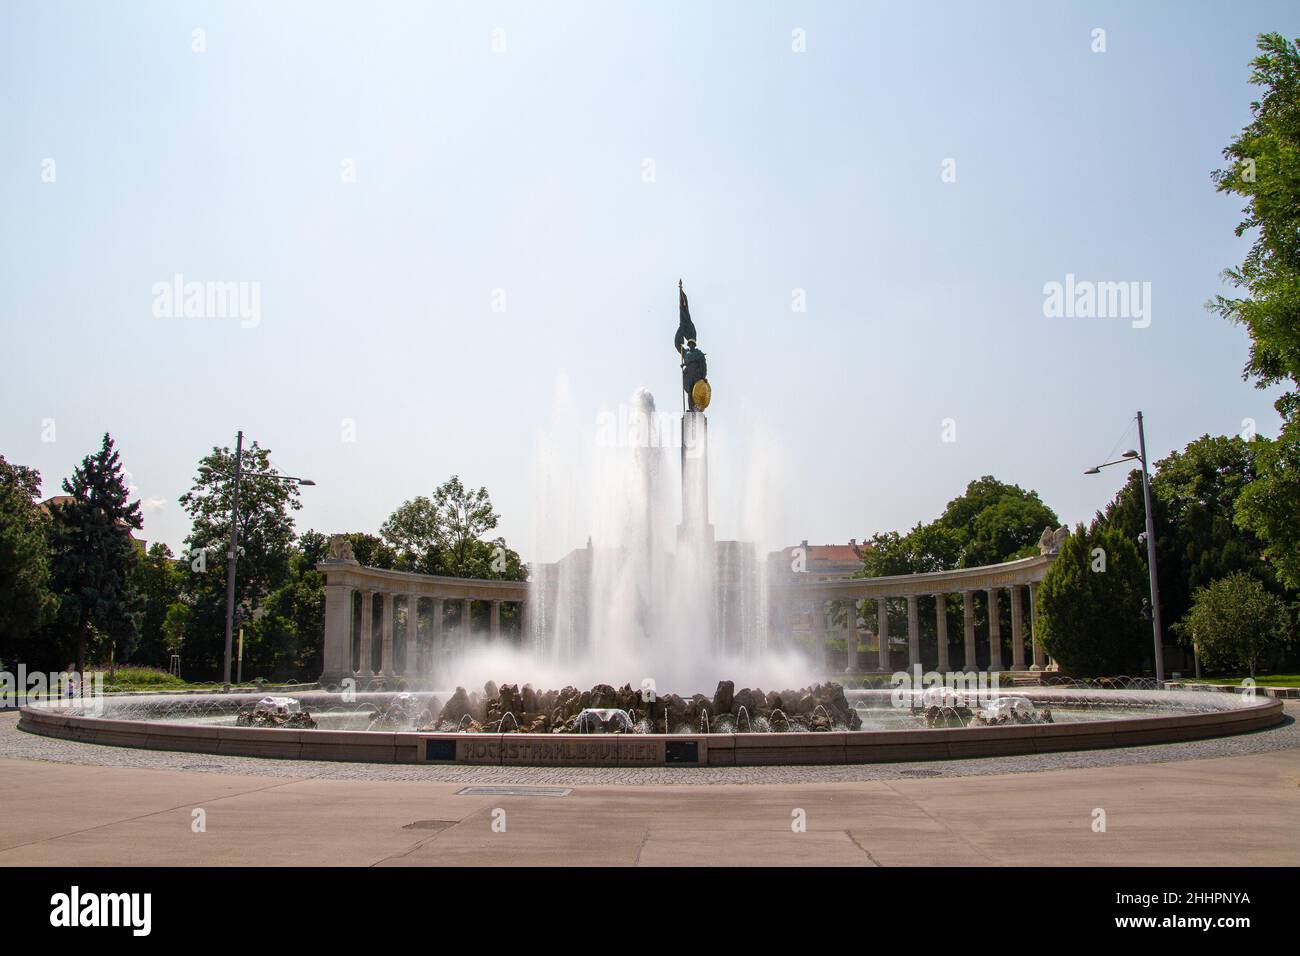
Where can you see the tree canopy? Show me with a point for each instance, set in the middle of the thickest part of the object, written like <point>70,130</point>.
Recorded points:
<point>93,556</point>
<point>1264,169</point>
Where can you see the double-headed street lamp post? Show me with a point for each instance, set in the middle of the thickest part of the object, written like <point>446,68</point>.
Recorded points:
<point>1141,455</point>
<point>233,550</point>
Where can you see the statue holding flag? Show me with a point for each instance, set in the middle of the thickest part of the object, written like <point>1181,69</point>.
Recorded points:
<point>694,367</point>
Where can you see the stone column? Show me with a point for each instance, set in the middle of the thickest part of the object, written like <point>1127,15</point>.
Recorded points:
<point>913,632</point>
<point>882,635</point>
<point>819,635</point>
<point>1017,628</point>
<point>464,622</point>
<point>494,622</point>
<point>366,667</point>
<point>968,626</point>
<point>1040,656</point>
<point>851,636</point>
<point>436,639</point>
<point>941,626</point>
<point>995,633</point>
<point>337,640</point>
<point>387,621</point>
<point>412,617</point>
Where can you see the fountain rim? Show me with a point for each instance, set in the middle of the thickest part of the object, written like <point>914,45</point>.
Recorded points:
<point>651,750</point>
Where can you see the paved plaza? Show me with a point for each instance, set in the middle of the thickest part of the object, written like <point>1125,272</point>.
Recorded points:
<point>1231,801</point>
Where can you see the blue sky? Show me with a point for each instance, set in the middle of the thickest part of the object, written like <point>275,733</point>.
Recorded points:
<point>523,169</point>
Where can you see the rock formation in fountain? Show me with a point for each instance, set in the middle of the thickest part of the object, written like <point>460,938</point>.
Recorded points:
<point>821,707</point>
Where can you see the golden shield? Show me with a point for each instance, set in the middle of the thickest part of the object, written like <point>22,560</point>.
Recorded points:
<point>700,394</point>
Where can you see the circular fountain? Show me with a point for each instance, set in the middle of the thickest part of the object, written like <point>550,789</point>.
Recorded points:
<point>659,603</point>
<point>868,726</point>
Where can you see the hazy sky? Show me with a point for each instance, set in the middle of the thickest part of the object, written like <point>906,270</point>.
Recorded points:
<point>580,158</point>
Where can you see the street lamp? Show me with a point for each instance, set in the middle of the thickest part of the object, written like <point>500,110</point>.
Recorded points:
<point>234,544</point>
<point>1150,535</point>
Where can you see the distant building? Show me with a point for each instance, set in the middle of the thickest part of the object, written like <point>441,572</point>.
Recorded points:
<point>824,560</point>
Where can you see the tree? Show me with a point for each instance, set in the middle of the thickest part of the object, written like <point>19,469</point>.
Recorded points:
<point>26,602</point>
<point>284,642</point>
<point>159,579</point>
<point>94,557</point>
<point>414,532</point>
<point>996,522</point>
<point>1090,605</point>
<point>266,537</point>
<point>1234,622</point>
<point>1195,496</point>
<point>1264,168</point>
<point>444,535</point>
<point>464,516</point>
<point>1269,505</point>
<point>989,523</point>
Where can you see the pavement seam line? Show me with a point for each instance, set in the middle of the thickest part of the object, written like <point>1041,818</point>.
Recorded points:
<point>916,803</point>
<point>151,813</point>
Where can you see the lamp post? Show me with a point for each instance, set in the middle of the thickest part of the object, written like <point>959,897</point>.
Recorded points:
<point>233,549</point>
<point>1141,455</point>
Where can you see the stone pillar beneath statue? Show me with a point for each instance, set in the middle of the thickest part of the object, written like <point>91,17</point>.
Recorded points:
<point>337,639</point>
<point>494,622</point>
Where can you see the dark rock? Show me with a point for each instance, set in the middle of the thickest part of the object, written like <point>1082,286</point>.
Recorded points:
<point>723,698</point>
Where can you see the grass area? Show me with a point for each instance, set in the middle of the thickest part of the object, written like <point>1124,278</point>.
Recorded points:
<point>1261,680</point>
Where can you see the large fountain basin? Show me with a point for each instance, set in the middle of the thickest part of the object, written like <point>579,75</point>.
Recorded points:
<point>1097,719</point>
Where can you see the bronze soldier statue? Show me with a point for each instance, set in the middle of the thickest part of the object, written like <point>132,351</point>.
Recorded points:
<point>695,369</point>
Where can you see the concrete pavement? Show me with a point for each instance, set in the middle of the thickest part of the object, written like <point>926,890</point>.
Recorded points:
<point>1231,811</point>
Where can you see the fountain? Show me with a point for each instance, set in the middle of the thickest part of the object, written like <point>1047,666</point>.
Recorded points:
<point>654,601</point>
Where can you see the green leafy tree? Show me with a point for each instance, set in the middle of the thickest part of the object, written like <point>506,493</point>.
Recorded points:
<point>266,538</point>
<point>1091,619</point>
<point>1236,623</point>
<point>989,523</point>
<point>464,516</point>
<point>159,579</point>
<point>444,535</point>
<point>1195,495</point>
<point>415,533</point>
<point>995,522</point>
<point>285,642</point>
<point>372,551</point>
<point>1268,507</point>
<point>94,557</point>
<point>26,602</point>
<point>1264,169</point>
